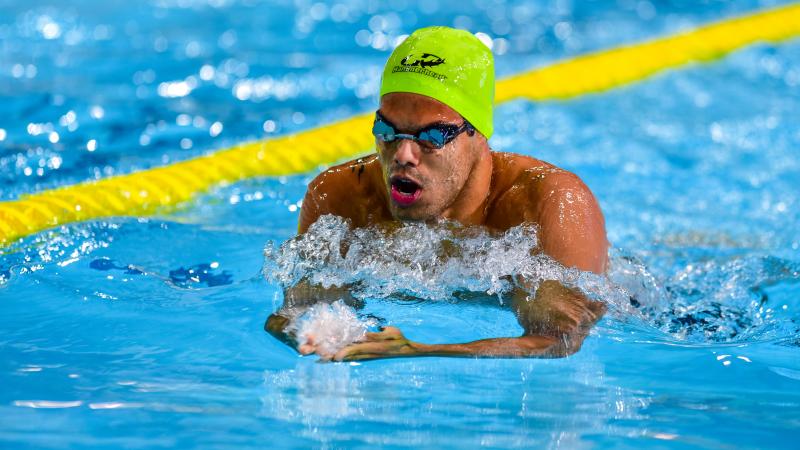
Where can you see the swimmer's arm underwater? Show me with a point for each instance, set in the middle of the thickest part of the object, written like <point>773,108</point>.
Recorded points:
<point>555,324</point>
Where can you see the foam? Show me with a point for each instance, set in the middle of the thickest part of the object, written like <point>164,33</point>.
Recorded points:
<point>691,302</point>
<point>416,259</point>
<point>333,326</point>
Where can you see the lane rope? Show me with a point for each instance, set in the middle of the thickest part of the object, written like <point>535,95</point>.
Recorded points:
<point>161,189</point>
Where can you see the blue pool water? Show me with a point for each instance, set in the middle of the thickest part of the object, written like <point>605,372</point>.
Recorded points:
<point>148,332</point>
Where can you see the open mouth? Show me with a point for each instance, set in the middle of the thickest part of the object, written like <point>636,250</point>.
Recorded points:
<point>405,191</point>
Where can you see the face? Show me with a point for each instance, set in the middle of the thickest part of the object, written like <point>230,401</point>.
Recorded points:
<point>422,183</point>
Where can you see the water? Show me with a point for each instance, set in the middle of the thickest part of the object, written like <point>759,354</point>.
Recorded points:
<point>148,332</point>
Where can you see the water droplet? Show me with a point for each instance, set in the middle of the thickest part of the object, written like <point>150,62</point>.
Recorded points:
<point>215,129</point>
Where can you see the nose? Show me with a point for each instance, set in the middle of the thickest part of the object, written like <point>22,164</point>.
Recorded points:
<point>407,154</point>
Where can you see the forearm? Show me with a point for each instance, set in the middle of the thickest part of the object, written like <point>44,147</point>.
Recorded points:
<point>556,320</point>
<point>305,294</point>
<point>555,323</point>
<point>390,343</point>
<point>520,347</point>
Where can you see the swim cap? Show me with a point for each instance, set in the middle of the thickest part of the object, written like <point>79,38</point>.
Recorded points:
<point>452,66</point>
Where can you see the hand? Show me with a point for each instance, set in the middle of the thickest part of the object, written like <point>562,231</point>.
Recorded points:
<point>387,343</point>
<point>310,347</point>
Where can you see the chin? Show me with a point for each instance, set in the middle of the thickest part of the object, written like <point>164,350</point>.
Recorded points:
<point>412,213</point>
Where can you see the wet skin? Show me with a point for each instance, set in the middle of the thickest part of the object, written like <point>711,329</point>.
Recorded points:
<point>468,183</point>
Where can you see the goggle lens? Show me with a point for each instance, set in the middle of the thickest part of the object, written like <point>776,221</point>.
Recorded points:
<point>383,131</point>
<point>435,136</point>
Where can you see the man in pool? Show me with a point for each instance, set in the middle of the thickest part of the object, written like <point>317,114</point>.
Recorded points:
<point>433,162</point>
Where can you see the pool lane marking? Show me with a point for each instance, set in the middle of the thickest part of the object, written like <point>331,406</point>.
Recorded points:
<point>607,69</point>
<point>156,191</point>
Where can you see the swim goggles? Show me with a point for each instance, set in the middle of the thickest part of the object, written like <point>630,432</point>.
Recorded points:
<point>432,137</point>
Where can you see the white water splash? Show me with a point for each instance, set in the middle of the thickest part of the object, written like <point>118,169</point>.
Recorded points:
<point>333,326</point>
<point>415,259</point>
<point>718,300</point>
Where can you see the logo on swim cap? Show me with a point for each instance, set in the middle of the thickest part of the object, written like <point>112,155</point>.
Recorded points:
<point>425,60</point>
<point>418,63</point>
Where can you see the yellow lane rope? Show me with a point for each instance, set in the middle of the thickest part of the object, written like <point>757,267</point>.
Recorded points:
<point>157,190</point>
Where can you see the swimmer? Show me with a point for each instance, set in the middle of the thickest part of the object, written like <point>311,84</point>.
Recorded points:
<point>433,162</point>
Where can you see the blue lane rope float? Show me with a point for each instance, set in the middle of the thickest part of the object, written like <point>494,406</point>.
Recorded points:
<point>160,189</point>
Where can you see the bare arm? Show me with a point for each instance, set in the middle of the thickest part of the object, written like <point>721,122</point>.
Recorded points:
<point>555,324</point>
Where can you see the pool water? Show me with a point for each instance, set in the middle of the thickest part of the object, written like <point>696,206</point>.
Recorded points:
<point>147,332</point>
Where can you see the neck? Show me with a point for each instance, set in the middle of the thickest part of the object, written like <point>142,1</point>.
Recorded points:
<point>469,208</point>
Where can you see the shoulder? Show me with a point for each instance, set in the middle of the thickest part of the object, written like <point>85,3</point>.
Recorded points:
<point>571,224</point>
<point>531,182</point>
<point>517,183</point>
<point>555,185</point>
<point>343,177</point>
<point>342,190</point>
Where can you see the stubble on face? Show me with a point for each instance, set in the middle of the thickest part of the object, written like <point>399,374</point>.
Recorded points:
<point>442,176</point>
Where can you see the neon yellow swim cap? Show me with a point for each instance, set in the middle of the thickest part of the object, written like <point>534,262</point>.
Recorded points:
<point>452,66</point>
